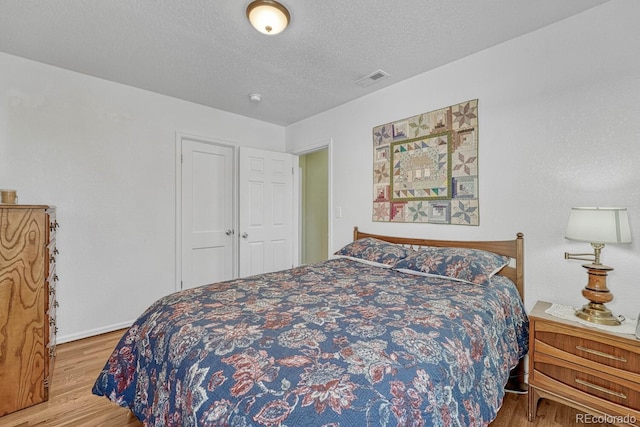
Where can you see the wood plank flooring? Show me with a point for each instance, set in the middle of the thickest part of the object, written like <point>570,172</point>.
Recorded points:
<point>78,363</point>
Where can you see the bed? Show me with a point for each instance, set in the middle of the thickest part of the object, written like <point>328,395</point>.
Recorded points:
<point>391,332</point>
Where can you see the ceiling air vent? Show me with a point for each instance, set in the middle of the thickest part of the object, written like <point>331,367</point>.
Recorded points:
<point>372,78</point>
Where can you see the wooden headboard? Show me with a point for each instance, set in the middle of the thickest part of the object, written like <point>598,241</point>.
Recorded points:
<point>511,248</point>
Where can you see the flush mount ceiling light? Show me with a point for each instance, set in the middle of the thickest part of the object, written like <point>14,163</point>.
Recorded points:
<point>268,16</point>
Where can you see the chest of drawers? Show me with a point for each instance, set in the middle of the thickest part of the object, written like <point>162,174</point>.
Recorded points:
<point>594,371</point>
<point>27,304</point>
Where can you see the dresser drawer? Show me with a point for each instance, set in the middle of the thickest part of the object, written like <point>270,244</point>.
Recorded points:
<point>52,277</point>
<point>53,334</point>
<point>52,249</point>
<point>53,223</point>
<point>590,350</point>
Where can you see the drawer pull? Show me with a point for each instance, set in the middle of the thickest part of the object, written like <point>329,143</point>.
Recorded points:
<point>601,354</point>
<point>602,389</point>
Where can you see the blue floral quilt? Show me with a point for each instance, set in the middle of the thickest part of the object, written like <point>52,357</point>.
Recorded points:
<point>338,343</point>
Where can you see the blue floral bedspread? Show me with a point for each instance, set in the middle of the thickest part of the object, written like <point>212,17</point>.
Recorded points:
<point>338,343</point>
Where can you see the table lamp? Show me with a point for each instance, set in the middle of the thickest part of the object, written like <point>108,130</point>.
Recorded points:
<point>598,226</point>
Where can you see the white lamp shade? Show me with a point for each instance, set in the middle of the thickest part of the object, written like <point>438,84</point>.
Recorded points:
<point>599,225</point>
<point>268,17</point>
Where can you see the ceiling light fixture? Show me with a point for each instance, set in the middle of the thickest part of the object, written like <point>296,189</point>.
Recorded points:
<point>268,16</point>
<point>255,97</point>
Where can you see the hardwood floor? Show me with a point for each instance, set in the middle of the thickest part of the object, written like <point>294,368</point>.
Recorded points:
<point>78,363</point>
<point>71,403</point>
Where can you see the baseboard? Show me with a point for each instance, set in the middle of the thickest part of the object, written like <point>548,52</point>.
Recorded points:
<point>92,332</point>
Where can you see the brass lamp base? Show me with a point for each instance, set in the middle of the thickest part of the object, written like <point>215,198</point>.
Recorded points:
<point>597,293</point>
<point>598,313</point>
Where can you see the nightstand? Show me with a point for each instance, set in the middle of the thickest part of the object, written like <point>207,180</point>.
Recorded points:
<point>587,368</point>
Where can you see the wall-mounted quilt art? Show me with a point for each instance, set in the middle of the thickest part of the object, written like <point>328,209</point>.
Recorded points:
<point>425,168</point>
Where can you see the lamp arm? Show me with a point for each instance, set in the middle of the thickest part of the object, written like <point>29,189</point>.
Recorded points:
<point>583,257</point>
<point>594,257</point>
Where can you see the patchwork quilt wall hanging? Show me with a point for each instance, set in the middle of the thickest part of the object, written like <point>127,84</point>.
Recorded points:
<point>425,167</point>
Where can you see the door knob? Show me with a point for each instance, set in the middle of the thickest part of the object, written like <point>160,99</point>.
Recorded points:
<point>245,235</point>
<point>228,232</point>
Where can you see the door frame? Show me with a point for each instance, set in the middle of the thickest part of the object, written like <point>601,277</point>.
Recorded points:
<point>297,223</point>
<point>180,136</point>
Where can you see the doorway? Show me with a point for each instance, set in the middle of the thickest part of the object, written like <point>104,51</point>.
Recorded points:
<point>314,206</point>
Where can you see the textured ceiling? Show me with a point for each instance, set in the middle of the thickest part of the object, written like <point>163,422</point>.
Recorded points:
<point>206,52</point>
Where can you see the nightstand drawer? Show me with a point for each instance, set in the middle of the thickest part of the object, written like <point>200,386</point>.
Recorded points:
<point>595,351</point>
<point>616,391</point>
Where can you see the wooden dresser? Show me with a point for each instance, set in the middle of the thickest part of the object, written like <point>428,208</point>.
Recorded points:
<point>27,304</point>
<point>589,369</point>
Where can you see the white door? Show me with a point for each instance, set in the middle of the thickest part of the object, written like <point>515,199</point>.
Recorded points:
<point>207,213</point>
<point>266,211</point>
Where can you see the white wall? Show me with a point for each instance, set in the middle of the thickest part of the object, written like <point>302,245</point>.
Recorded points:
<point>559,126</point>
<point>104,154</point>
